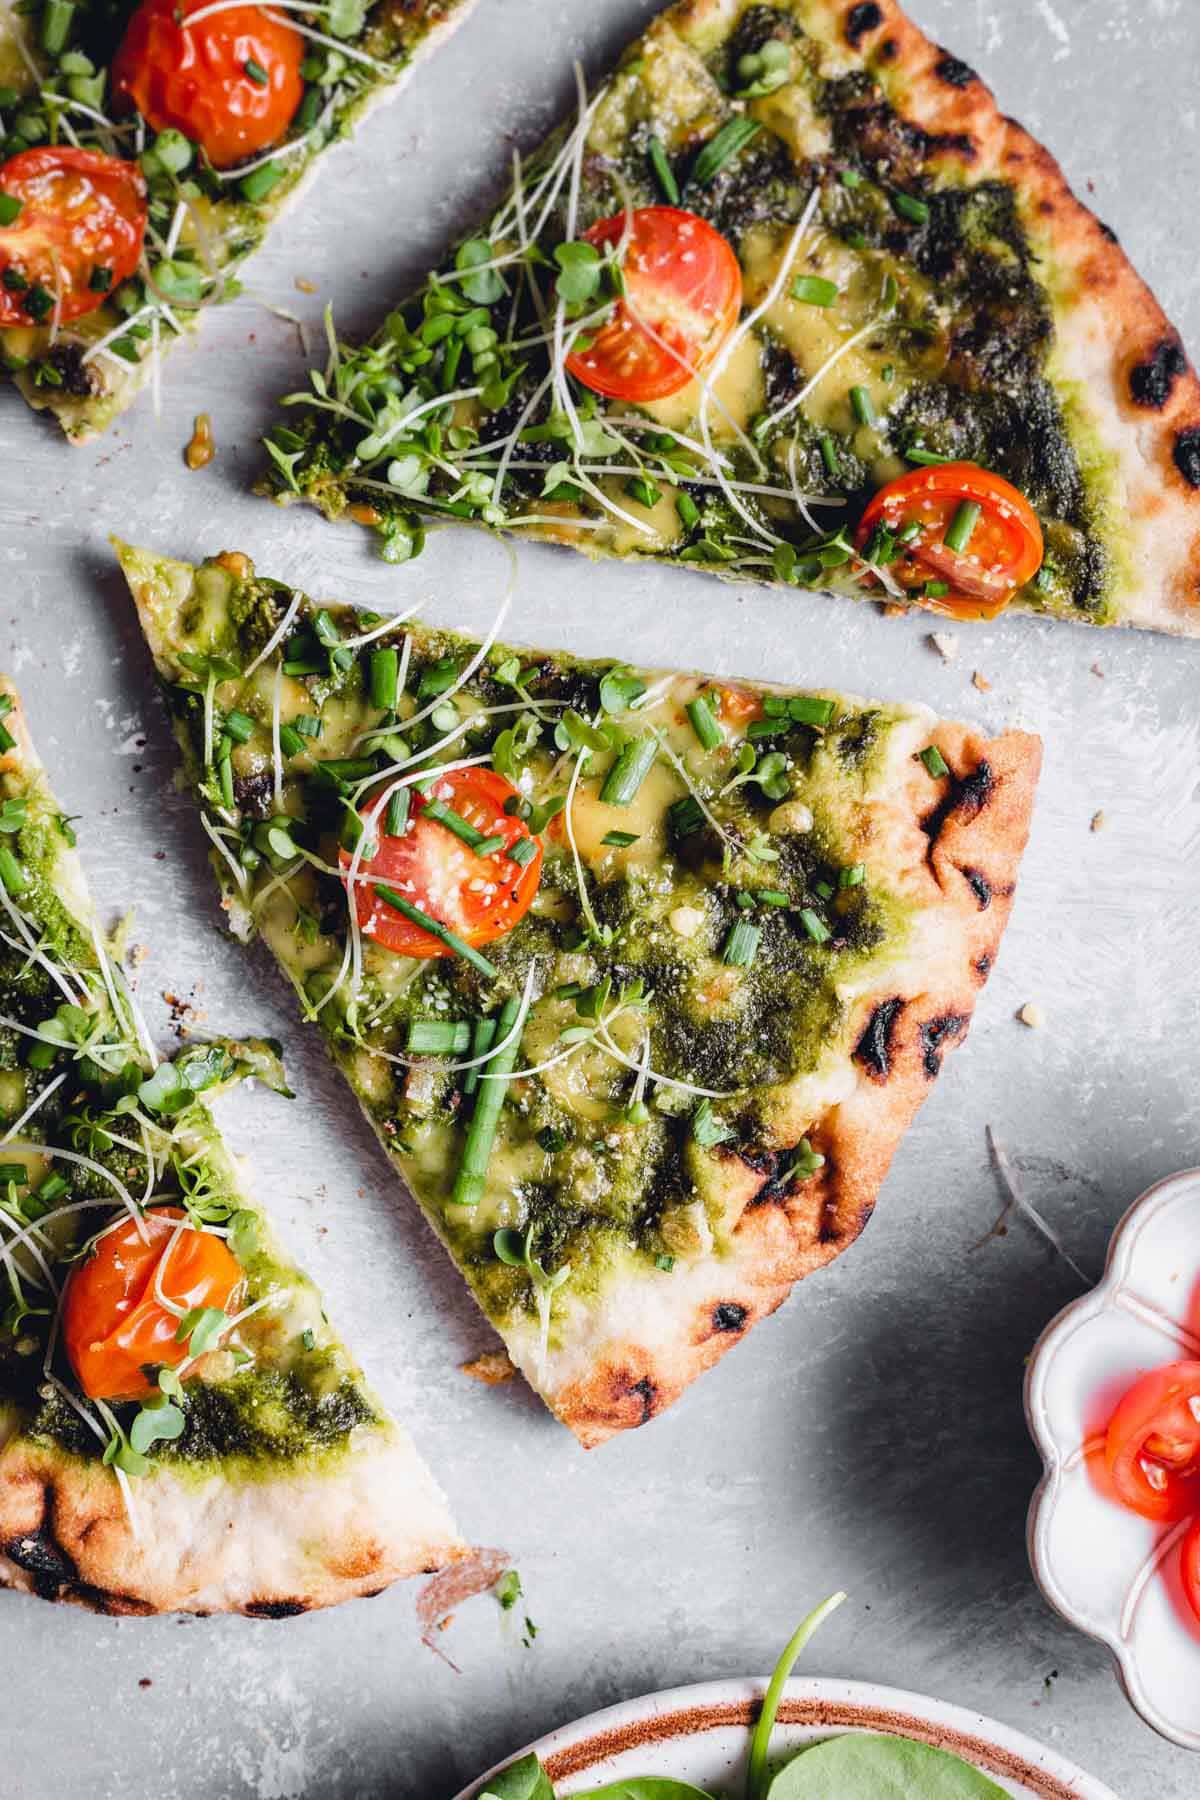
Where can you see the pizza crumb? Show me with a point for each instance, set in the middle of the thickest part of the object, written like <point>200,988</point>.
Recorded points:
<point>980,680</point>
<point>493,1368</point>
<point>686,921</point>
<point>891,610</point>
<point>145,1682</point>
<point>945,643</point>
<point>1032,1015</point>
<point>305,287</point>
<point>1098,821</point>
<point>200,449</point>
<point>1098,671</point>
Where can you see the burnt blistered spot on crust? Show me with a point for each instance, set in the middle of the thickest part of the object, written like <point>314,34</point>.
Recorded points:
<point>979,885</point>
<point>967,795</point>
<point>874,1047</point>
<point>888,50</point>
<point>76,378</point>
<point>935,1035</point>
<point>41,1556</point>
<point>983,965</point>
<point>1151,381</point>
<point>1108,232</point>
<point>274,1609</point>
<point>647,1393</point>
<point>861,19</point>
<point>1187,455</point>
<point>728,1315</point>
<point>954,73</point>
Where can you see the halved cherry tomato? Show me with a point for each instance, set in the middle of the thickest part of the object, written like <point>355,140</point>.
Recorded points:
<point>113,1323</point>
<point>479,897</point>
<point>738,707</point>
<point>1189,1567</point>
<point>232,83</point>
<point>683,281</point>
<point>1152,1446</point>
<point>78,234</point>
<point>1003,552</point>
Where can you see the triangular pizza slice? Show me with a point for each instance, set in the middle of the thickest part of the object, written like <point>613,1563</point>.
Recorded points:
<point>639,977</point>
<point>788,300</point>
<point>181,1429</point>
<point>145,148</point>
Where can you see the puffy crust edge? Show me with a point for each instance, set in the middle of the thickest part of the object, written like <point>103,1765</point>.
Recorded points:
<point>223,1540</point>
<point>650,1344</point>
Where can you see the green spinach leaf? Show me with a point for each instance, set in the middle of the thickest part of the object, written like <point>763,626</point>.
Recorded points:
<point>524,1780</point>
<point>647,1787</point>
<point>858,1767</point>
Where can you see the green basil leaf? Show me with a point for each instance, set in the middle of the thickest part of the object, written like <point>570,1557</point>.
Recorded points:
<point>861,1767</point>
<point>524,1780</point>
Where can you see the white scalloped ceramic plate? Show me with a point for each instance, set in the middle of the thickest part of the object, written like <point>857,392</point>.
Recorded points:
<point>702,1735</point>
<point>1109,1572</point>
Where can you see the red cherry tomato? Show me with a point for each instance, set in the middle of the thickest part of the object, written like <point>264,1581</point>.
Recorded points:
<point>113,1322</point>
<point>78,234</point>
<point>1002,553</point>
<point>683,281</point>
<point>479,897</point>
<point>1152,1447</point>
<point>1189,1567</point>
<point>232,83</point>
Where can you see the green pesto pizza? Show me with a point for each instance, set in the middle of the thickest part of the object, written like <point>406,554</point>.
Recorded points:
<point>639,977</point>
<point>788,300</point>
<point>180,1427</point>
<point>145,146</point>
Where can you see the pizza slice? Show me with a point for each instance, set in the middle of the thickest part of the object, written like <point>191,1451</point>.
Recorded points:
<point>639,977</point>
<point>789,301</point>
<point>144,150</point>
<point>181,1429</point>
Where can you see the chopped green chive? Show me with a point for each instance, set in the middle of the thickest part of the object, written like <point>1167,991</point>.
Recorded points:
<point>436,929</point>
<point>664,174</point>
<point>462,828</point>
<point>704,722</point>
<point>643,491</point>
<point>934,590</point>
<point>471,1179</point>
<point>815,926</point>
<point>629,771</point>
<point>325,631</point>
<point>52,1189</point>
<point>909,207</point>
<point>1044,578</point>
<point>771,897</point>
<point>10,209</point>
<point>863,405</point>
<point>482,1038</point>
<point>805,709</point>
<point>731,138</point>
<point>852,877</point>
<point>290,740</point>
<point>438,1037</point>
<point>385,676</point>
<point>522,851</point>
<point>437,678</point>
<point>888,374</point>
<point>11,873</point>
<point>56,25</point>
<point>685,815</point>
<point>240,727</point>
<point>488,846</point>
<point>851,178</point>
<point>925,459</point>
<point>665,1263</point>
<point>14,1171</point>
<point>689,512</point>
<point>39,304</point>
<point>256,72</point>
<point>825,890</point>
<point>814,290</point>
<point>741,946</point>
<point>258,183</point>
<point>397,812</point>
<point>619,840</point>
<point>962,525</point>
<point>935,762</point>
<point>307,724</point>
<point>829,455</point>
<point>908,534</point>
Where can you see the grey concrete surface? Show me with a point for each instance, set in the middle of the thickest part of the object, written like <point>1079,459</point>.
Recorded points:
<point>871,1434</point>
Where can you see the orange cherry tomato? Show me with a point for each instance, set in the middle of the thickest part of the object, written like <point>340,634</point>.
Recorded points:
<point>1152,1446</point>
<point>1003,552</point>
<point>480,898</point>
<point>113,1322</point>
<point>738,707</point>
<point>232,83</point>
<point>1189,1567</point>
<point>78,234</point>
<point>683,282</point>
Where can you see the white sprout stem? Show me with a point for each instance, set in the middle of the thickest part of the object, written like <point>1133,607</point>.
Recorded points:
<point>141,1029</point>
<point>276,745</point>
<point>680,769</point>
<point>210,688</point>
<point>418,412</point>
<point>106,972</point>
<point>506,454</point>
<point>569,827</point>
<point>43,961</point>
<point>686,1087</point>
<point>776,418</point>
<point>239,874</point>
<point>277,636</point>
<point>343,49</point>
<point>189,1363</point>
<point>483,651</point>
<point>86,1162</point>
<point>33,1106</point>
<point>378,631</point>
<point>119,331</point>
<point>164,1299</point>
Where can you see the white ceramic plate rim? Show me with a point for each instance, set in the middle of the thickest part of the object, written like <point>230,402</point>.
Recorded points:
<point>942,1718</point>
<point>1118,1265</point>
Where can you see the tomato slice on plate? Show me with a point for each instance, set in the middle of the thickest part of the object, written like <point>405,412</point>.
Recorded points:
<point>232,83</point>
<point>114,1323</point>
<point>683,282</point>
<point>1152,1446</point>
<point>1189,1567</point>
<point>975,574</point>
<point>78,234</point>
<point>480,898</point>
